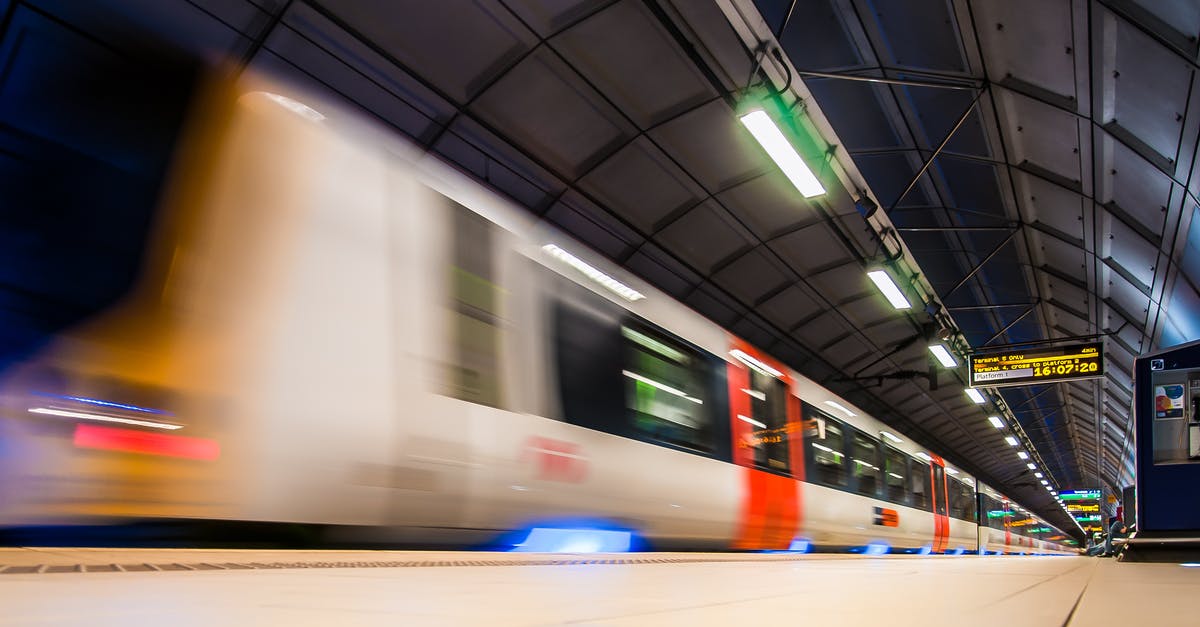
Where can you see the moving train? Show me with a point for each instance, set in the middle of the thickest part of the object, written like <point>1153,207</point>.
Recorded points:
<point>334,329</point>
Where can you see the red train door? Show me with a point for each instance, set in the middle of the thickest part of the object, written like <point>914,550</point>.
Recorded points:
<point>941,511</point>
<point>765,423</point>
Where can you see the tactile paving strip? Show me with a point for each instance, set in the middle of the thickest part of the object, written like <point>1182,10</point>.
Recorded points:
<point>565,561</point>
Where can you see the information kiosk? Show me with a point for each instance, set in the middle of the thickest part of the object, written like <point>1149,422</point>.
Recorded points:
<point>1167,417</point>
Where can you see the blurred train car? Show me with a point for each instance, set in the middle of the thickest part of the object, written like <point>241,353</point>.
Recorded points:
<point>334,329</point>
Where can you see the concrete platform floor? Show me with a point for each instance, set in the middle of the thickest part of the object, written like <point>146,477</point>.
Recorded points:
<point>207,587</point>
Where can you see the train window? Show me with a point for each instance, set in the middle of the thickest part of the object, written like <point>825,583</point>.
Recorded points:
<point>939,492</point>
<point>919,497</point>
<point>895,475</point>
<point>768,415</point>
<point>474,374</point>
<point>864,462</point>
<point>666,390</point>
<point>826,447</point>
<point>962,500</point>
<point>997,513</point>
<point>587,348</point>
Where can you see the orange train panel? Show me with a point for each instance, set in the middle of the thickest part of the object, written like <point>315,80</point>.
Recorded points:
<point>771,504</point>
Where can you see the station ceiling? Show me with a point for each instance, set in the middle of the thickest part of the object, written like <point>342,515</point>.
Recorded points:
<point>1032,163</point>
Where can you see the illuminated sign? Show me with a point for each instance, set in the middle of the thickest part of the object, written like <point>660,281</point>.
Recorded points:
<point>1076,507</point>
<point>887,517</point>
<point>1079,495</point>
<point>1065,363</point>
<point>1088,518</point>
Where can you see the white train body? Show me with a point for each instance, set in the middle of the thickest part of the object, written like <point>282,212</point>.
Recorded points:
<point>306,325</point>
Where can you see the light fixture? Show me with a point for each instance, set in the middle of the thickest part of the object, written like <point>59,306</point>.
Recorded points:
<point>840,407</point>
<point>756,364</point>
<point>1022,454</point>
<point>50,411</point>
<point>951,471</point>
<point>781,151</point>
<point>1031,466</point>
<point>996,422</point>
<point>1038,475</point>
<point>1011,440</point>
<point>925,456</point>
<point>890,436</point>
<point>613,285</point>
<point>976,396</point>
<point>888,287</point>
<point>943,355</point>
<point>1044,482</point>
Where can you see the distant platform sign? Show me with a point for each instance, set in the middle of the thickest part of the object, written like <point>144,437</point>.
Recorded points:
<point>1045,365</point>
<point>1079,495</point>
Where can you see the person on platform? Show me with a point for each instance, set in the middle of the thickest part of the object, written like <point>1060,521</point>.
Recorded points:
<point>1116,529</point>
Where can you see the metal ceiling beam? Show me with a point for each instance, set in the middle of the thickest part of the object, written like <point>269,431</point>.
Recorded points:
<point>983,262</point>
<point>928,162</point>
<point>948,229</point>
<point>1010,325</point>
<point>989,307</point>
<point>887,81</point>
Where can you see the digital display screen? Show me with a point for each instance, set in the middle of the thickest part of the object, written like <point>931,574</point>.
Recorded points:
<point>1079,495</point>
<point>1029,367</point>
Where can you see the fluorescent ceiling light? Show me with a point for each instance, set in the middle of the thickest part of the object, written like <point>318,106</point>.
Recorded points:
<point>1011,440</point>
<point>752,421</point>
<point>1022,454</point>
<point>890,436</point>
<point>1044,482</point>
<point>996,422</point>
<point>613,285</point>
<point>661,386</point>
<point>976,396</point>
<point>1031,466</point>
<point>49,411</point>
<point>884,282</point>
<point>1038,475</point>
<point>943,355</point>
<point>840,407</point>
<point>925,456</point>
<point>762,368</point>
<point>781,151</point>
<point>951,470</point>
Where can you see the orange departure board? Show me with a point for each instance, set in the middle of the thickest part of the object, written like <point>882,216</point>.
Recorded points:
<point>1043,365</point>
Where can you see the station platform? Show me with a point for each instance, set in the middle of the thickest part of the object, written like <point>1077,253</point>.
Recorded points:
<point>52,586</point>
